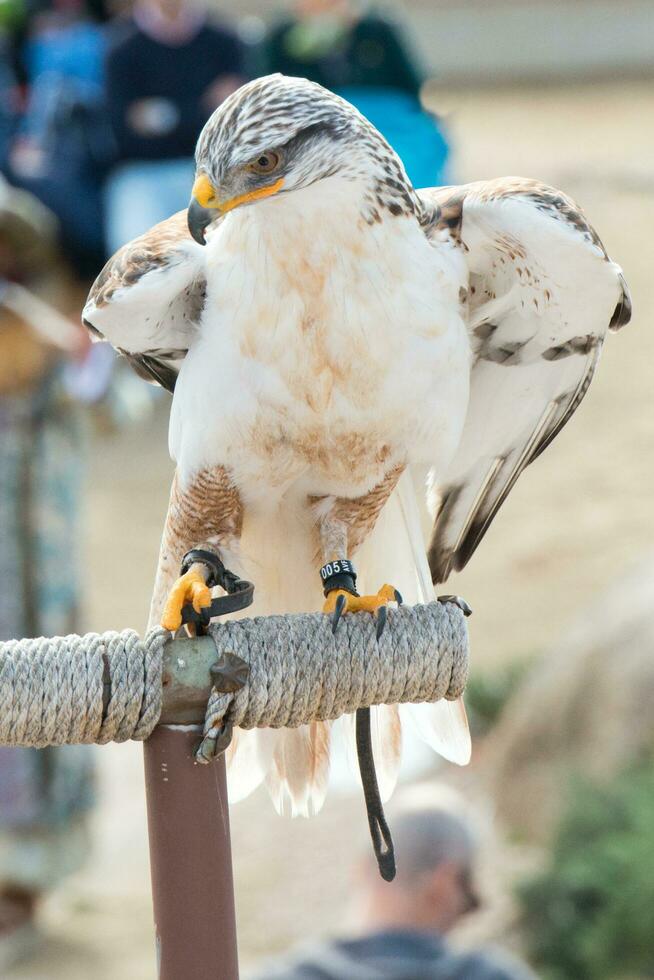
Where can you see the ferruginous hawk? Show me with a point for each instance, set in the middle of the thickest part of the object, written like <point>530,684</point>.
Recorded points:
<point>342,346</point>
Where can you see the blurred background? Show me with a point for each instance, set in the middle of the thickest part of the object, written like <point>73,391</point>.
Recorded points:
<point>100,102</point>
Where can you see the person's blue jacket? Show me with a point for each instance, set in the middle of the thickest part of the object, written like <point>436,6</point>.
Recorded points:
<point>393,955</point>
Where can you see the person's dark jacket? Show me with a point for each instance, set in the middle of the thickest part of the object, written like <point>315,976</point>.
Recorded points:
<point>370,52</point>
<point>139,67</point>
<point>394,955</point>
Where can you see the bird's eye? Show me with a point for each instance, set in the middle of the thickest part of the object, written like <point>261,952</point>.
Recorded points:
<point>265,163</point>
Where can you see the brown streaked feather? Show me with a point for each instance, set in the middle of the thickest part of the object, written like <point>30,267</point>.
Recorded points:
<point>345,522</point>
<point>448,204</point>
<point>134,301</point>
<point>207,511</point>
<point>134,260</point>
<point>518,319</point>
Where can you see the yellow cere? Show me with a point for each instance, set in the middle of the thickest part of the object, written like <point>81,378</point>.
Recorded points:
<point>205,194</point>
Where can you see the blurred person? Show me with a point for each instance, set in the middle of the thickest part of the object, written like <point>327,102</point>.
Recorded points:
<point>339,43</point>
<point>404,923</point>
<point>166,73</point>
<point>45,795</point>
<point>47,19</point>
<point>62,143</point>
<point>8,100</point>
<point>365,58</point>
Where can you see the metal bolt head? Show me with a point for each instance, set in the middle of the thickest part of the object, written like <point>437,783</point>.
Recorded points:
<point>230,673</point>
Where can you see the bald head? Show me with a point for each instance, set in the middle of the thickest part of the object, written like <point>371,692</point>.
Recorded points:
<point>428,837</point>
<point>435,848</point>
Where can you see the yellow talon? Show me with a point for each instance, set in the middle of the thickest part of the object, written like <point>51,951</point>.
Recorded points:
<point>190,587</point>
<point>340,601</point>
<point>361,603</point>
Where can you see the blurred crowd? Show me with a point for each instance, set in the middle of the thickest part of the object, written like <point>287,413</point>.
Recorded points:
<point>101,105</point>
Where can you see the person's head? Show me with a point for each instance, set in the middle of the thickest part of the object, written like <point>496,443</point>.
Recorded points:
<point>172,12</point>
<point>435,850</point>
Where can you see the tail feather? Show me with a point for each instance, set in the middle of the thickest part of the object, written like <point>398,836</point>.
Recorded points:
<point>386,733</point>
<point>298,777</point>
<point>443,725</point>
<point>247,763</point>
<point>386,730</point>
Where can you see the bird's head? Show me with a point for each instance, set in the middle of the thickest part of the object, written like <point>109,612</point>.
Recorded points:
<point>276,135</point>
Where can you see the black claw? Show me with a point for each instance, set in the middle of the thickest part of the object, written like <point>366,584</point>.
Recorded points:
<point>458,601</point>
<point>398,597</point>
<point>339,608</point>
<point>382,613</point>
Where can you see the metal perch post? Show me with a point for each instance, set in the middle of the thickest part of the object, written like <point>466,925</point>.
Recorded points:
<point>276,671</point>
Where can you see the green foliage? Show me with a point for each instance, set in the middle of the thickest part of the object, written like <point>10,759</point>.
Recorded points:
<point>12,15</point>
<point>488,692</point>
<point>590,914</point>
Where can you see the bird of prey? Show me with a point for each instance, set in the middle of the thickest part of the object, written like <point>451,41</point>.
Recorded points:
<point>347,353</point>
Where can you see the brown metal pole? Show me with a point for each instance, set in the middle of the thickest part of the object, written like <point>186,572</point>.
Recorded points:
<point>190,860</point>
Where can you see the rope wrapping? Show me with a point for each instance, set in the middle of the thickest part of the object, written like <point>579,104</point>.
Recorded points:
<point>54,691</point>
<point>301,672</point>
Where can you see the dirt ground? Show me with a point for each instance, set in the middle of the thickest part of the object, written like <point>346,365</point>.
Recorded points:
<point>577,520</point>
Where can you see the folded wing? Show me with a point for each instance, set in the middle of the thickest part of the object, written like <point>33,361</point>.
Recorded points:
<point>542,294</point>
<point>148,299</point>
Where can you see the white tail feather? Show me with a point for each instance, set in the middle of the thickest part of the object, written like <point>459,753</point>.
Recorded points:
<point>297,780</point>
<point>386,733</point>
<point>444,725</point>
<point>248,760</point>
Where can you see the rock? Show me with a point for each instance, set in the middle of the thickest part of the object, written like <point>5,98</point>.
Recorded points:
<point>586,708</point>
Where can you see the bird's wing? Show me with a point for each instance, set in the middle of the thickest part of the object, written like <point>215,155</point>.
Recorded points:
<point>542,294</point>
<point>148,299</point>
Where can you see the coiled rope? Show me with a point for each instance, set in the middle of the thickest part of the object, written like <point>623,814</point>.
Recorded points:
<point>300,672</point>
<point>108,687</point>
<point>53,691</point>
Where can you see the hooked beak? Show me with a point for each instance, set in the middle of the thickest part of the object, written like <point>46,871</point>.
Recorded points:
<point>205,202</point>
<point>199,219</point>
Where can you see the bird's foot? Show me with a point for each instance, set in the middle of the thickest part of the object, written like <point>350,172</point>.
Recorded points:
<point>189,587</point>
<point>341,601</point>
